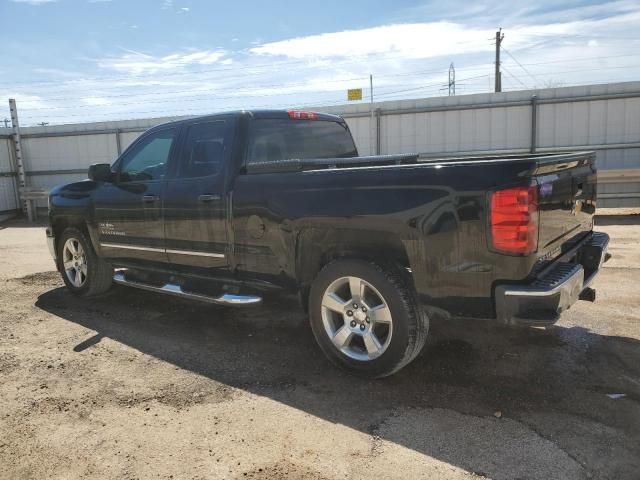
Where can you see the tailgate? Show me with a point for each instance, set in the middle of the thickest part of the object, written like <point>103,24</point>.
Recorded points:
<point>567,200</point>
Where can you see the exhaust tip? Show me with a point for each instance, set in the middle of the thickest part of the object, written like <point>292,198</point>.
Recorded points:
<point>588,294</point>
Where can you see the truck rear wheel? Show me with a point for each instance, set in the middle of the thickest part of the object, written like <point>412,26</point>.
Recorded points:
<point>83,272</point>
<point>366,317</point>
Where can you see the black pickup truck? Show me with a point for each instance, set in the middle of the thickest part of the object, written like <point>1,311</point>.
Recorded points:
<point>224,208</point>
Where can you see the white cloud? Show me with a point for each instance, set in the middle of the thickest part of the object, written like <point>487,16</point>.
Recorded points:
<point>407,60</point>
<point>34,2</point>
<point>409,40</point>
<point>25,101</point>
<point>96,101</point>
<point>184,10</point>
<point>137,63</point>
<point>434,39</point>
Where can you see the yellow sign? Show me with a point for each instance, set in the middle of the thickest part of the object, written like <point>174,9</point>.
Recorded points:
<point>354,94</point>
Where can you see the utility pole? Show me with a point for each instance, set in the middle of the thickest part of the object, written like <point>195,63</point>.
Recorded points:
<point>499,37</point>
<point>452,80</point>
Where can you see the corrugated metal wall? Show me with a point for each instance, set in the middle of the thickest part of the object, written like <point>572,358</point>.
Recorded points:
<point>8,197</point>
<point>566,118</point>
<point>570,118</point>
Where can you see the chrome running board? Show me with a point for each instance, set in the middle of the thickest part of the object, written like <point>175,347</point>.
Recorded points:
<point>173,289</point>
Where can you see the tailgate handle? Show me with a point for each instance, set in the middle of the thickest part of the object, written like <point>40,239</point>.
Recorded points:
<point>208,198</point>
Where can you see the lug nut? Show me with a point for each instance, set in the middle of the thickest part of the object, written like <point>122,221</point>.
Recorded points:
<point>353,323</point>
<point>364,309</point>
<point>349,313</point>
<point>362,327</point>
<point>368,320</point>
<point>355,306</point>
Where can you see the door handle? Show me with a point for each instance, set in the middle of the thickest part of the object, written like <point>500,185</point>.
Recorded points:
<point>150,198</point>
<point>208,198</point>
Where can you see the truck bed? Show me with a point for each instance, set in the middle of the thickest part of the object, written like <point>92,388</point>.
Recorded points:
<point>438,208</point>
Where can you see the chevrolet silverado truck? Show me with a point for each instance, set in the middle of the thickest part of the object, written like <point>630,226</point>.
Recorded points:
<point>228,207</point>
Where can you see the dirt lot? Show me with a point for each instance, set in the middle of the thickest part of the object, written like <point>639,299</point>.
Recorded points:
<point>138,385</point>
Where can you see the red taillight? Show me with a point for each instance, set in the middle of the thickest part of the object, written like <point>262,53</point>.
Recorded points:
<point>514,220</point>
<point>299,115</point>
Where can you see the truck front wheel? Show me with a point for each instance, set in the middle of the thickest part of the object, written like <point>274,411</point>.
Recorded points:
<point>83,272</point>
<point>366,317</point>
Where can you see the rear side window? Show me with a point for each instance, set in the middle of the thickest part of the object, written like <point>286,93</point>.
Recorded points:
<point>283,139</point>
<point>203,150</point>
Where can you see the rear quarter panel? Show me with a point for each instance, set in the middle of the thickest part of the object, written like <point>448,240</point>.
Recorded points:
<point>437,211</point>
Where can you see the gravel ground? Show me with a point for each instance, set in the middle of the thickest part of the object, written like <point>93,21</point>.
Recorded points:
<point>140,385</point>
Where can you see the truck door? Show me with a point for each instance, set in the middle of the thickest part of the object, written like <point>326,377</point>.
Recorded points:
<point>194,205</point>
<point>128,212</point>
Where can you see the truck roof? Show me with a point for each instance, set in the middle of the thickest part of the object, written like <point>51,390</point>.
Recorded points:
<point>262,113</point>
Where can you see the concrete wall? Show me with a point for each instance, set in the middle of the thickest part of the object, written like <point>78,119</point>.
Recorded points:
<point>605,118</point>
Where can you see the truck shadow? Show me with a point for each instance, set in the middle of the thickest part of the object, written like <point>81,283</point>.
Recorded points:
<point>470,369</point>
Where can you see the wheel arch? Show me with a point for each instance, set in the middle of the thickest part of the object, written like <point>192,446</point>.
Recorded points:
<point>317,247</point>
<point>60,223</point>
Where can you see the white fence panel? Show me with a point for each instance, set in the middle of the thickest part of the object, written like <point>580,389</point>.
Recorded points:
<point>8,197</point>
<point>481,123</point>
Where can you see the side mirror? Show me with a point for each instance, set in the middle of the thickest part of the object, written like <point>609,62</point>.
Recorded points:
<point>100,172</point>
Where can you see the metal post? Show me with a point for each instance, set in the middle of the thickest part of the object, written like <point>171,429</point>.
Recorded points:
<point>452,80</point>
<point>118,142</point>
<point>378,129</point>
<point>22,177</point>
<point>13,169</point>
<point>371,124</point>
<point>534,122</point>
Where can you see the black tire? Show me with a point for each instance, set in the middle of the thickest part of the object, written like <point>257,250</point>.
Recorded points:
<point>410,321</point>
<point>99,276</point>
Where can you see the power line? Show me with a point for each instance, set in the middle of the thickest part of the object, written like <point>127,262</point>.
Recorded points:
<point>521,66</point>
<point>514,77</point>
<point>582,59</point>
<point>216,89</point>
<point>339,102</point>
<point>161,75</point>
<point>156,74</point>
<point>246,93</point>
<point>236,87</point>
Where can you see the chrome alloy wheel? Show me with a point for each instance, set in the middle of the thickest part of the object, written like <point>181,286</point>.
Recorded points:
<point>74,262</point>
<point>356,318</point>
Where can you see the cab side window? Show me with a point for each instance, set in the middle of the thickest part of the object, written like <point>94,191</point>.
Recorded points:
<point>203,150</point>
<point>147,160</point>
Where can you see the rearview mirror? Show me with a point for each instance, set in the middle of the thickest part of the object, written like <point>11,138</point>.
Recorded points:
<point>100,172</point>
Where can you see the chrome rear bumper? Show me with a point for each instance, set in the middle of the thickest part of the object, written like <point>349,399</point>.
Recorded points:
<point>51,243</point>
<point>542,301</point>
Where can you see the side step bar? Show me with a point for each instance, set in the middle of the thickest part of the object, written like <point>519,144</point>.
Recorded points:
<point>172,289</point>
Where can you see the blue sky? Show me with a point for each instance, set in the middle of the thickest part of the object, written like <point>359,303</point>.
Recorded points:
<point>68,61</point>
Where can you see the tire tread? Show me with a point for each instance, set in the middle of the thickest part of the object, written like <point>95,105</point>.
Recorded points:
<point>418,321</point>
<point>101,276</point>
